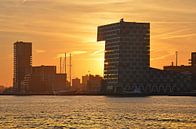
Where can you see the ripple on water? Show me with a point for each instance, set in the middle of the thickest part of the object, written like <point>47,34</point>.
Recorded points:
<point>97,112</point>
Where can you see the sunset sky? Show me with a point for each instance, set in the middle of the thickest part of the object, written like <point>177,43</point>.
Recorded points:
<point>58,26</point>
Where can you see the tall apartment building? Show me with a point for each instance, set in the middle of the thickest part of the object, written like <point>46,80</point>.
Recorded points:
<point>127,62</point>
<point>22,64</point>
<point>127,52</point>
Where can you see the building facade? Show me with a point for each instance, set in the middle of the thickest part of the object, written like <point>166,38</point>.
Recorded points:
<point>85,80</point>
<point>45,80</point>
<point>22,65</point>
<point>189,69</point>
<point>76,85</point>
<point>1,89</point>
<point>127,60</point>
<point>94,83</point>
<point>127,53</point>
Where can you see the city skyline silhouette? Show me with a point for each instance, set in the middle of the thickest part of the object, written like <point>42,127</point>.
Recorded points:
<point>97,64</point>
<point>126,68</point>
<point>53,30</point>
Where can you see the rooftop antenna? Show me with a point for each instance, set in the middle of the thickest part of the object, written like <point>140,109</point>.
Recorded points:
<point>176,58</point>
<point>172,63</point>
<point>122,20</point>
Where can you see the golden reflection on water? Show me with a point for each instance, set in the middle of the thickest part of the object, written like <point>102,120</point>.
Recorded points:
<point>97,112</point>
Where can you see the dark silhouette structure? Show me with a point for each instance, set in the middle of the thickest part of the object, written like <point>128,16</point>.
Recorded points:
<point>37,79</point>
<point>193,59</point>
<point>2,88</point>
<point>94,84</point>
<point>91,84</point>
<point>127,62</point>
<point>186,69</point>
<point>76,85</point>
<point>45,80</point>
<point>22,65</point>
<point>127,52</point>
<point>85,80</point>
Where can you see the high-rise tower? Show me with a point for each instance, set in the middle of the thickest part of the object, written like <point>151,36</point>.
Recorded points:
<point>127,53</point>
<point>22,64</point>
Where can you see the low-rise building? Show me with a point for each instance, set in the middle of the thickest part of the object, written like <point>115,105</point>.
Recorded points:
<point>45,80</point>
<point>85,80</point>
<point>2,89</point>
<point>76,85</point>
<point>189,69</point>
<point>94,83</point>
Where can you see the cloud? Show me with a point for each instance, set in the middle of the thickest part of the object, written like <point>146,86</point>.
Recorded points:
<point>161,54</point>
<point>40,51</point>
<point>161,57</point>
<point>73,53</point>
<point>179,36</point>
<point>178,32</point>
<point>174,32</point>
<point>78,52</point>
<point>174,22</point>
<point>98,52</point>
<point>24,1</point>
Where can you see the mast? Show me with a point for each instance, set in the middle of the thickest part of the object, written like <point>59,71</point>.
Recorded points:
<point>176,58</point>
<point>65,63</point>
<point>60,64</point>
<point>70,68</point>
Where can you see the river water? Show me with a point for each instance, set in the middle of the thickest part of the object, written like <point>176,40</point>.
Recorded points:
<point>58,112</point>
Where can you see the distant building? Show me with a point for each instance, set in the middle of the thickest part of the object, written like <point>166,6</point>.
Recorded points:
<point>22,65</point>
<point>191,69</point>
<point>193,63</point>
<point>7,91</point>
<point>94,83</point>
<point>127,61</point>
<point>85,80</point>
<point>76,84</point>
<point>34,80</point>
<point>60,82</point>
<point>2,89</point>
<point>193,59</point>
<point>158,81</point>
<point>180,69</point>
<point>44,79</point>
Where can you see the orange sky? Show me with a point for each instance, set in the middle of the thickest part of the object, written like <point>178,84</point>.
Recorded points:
<point>56,26</point>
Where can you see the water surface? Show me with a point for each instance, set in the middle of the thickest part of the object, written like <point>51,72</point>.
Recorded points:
<point>97,112</point>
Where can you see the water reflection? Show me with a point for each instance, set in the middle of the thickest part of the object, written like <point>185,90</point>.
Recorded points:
<point>97,112</point>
